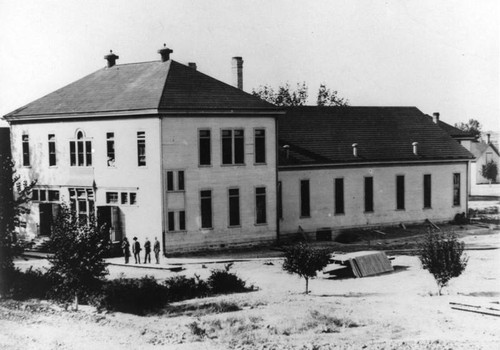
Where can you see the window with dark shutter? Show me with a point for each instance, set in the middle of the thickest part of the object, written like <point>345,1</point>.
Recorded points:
<point>427,191</point>
<point>206,208</point>
<point>234,207</point>
<point>400,192</point>
<point>339,196</point>
<point>305,205</point>
<point>368,194</point>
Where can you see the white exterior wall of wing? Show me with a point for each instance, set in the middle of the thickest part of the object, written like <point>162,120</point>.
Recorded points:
<point>384,197</point>
<point>141,220</point>
<point>180,152</point>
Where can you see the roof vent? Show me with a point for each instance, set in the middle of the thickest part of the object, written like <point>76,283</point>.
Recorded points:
<point>415,148</point>
<point>287,151</point>
<point>355,149</point>
<point>165,53</point>
<point>238,72</point>
<point>111,58</point>
<point>192,65</point>
<point>435,117</point>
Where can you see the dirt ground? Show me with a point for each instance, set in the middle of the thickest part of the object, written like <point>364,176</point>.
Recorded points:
<point>397,310</point>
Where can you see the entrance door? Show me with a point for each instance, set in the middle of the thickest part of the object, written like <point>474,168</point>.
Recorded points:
<point>48,212</point>
<point>111,217</point>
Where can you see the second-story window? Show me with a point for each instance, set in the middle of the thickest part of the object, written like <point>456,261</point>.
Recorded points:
<point>141,148</point>
<point>233,146</point>
<point>205,147</point>
<point>80,151</point>
<point>260,146</point>
<point>52,150</point>
<point>26,150</point>
<point>110,148</point>
<point>175,180</point>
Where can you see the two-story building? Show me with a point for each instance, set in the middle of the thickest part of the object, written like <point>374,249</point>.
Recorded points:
<point>155,149</point>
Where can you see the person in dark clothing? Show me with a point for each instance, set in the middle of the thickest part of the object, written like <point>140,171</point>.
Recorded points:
<point>126,249</point>
<point>147,251</point>
<point>156,249</point>
<point>136,249</point>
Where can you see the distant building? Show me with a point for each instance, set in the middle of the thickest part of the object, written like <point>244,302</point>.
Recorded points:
<point>159,149</point>
<point>484,152</point>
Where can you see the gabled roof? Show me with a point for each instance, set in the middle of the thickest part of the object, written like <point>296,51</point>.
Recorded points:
<point>325,135</point>
<point>455,132</point>
<point>478,149</point>
<point>149,86</point>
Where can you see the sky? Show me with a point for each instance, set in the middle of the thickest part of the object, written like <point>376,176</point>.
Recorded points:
<point>440,56</point>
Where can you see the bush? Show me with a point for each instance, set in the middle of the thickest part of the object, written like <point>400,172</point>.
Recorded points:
<point>347,237</point>
<point>137,296</point>
<point>305,261</point>
<point>181,288</point>
<point>223,281</point>
<point>30,284</point>
<point>442,255</point>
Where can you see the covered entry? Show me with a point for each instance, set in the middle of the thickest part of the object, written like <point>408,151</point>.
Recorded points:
<point>110,215</point>
<point>48,213</point>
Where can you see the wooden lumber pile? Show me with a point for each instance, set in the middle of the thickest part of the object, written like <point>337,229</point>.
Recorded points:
<point>365,263</point>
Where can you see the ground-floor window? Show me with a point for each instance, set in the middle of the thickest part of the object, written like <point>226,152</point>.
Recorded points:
<point>339,196</point>
<point>456,189</point>
<point>234,207</point>
<point>400,192</point>
<point>427,191</point>
<point>82,202</point>
<point>206,208</point>
<point>260,205</point>
<point>368,194</point>
<point>178,217</point>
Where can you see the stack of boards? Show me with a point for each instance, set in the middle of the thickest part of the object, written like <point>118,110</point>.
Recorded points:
<point>364,263</point>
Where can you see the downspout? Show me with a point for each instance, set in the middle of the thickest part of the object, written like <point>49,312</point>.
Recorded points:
<point>467,165</point>
<point>276,146</point>
<point>162,184</point>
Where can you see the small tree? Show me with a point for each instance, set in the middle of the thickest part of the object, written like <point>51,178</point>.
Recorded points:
<point>14,198</point>
<point>305,261</point>
<point>327,97</point>
<point>472,126</point>
<point>490,171</point>
<point>443,256</point>
<point>78,248</point>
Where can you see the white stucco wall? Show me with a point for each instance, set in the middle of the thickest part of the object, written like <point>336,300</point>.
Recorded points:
<point>180,152</point>
<point>384,184</point>
<point>126,176</point>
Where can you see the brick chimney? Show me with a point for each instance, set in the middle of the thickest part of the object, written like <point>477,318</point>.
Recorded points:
<point>488,136</point>
<point>237,67</point>
<point>192,65</point>
<point>435,117</point>
<point>111,58</point>
<point>165,53</point>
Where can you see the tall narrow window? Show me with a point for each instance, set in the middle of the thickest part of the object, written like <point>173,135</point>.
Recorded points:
<point>456,189</point>
<point>234,207</point>
<point>233,146</point>
<point>400,192</point>
<point>427,191</point>
<point>182,220</point>
<point>368,194</point>
<point>206,208</point>
<point>260,146</point>
<point>171,221</point>
<point>280,200</point>
<point>26,150</point>
<point>110,148</point>
<point>170,180</point>
<point>305,205</point>
<point>52,150</point>
<point>141,148</point>
<point>180,180</point>
<point>80,151</point>
<point>339,196</point>
<point>205,145</point>
<point>260,205</point>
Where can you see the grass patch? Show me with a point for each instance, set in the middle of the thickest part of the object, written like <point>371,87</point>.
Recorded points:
<point>198,310</point>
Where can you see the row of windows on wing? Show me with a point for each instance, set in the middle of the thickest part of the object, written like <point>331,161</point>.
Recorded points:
<point>80,150</point>
<point>233,148</point>
<point>305,206</point>
<point>177,219</point>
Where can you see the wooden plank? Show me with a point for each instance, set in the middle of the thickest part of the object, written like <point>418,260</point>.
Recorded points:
<point>476,311</point>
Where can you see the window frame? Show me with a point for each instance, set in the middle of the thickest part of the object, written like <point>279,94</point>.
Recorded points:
<point>211,209</point>
<point>110,150</point>
<point>256,196</point>
<point>305,206</point>
<point>369,206</point>
<point>209,138</point>
<point>233,146</point>
<point>51,143</point>
<point>400,196</point>
<point>425,206</point>
<point>335,199</point>
<point>176,178</point>
<point>26,154</point>
<point>229,206</point>
<point>80,150</point>
<point>255,138</point>
<point>141,149</point>
<point>456,197</point>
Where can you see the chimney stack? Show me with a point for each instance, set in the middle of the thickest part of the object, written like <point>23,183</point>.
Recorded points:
<point>355,149</point>
<point>238,72</point>
<point>111,58</point>
<point>165,53</point>
<point>287,151</point>
<point>415,147</point>
<point>488,136</point>
<point>192,65</point>
<point>435,117</point>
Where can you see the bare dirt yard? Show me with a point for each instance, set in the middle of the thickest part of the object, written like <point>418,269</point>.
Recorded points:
<point>398,310</point>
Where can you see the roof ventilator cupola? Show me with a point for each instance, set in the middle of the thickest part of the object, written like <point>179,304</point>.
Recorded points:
<point>192,65</point>
<point>111,58</point>
<point>415,148</point>
<point>165,53</point>
<point>355,149</point>
<point>287,151</point>
<point>435,117</point>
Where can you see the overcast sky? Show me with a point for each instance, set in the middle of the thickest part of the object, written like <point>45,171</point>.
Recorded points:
<point>440,56</point>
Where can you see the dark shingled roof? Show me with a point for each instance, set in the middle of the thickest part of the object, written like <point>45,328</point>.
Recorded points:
<point>142,86</point>
<point>324,135</point>
<point>455,132</point>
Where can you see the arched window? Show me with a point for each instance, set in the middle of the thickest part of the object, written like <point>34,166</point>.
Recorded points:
<point>80,150</point>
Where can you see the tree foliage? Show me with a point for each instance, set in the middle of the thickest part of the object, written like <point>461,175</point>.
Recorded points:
<point>305,261</point>
<point>490,171</point>
<point>78,248</point>
<point>14,199</point>
<point>443,256</point>
<point>472,126</point>
<point>285,95</point>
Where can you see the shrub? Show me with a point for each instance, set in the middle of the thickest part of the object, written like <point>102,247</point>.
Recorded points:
<point>305,261</point>
<point>347,237</point>
<point>490,171</point>
<point>137,296</point>
<point>442,255</point>
<point>181,288</point>
<point>30,284</point>
<point>223,281</point>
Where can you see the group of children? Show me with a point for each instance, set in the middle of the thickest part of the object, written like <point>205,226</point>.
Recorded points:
<point>136,249</point>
